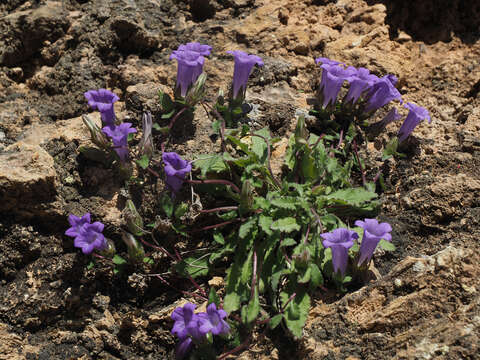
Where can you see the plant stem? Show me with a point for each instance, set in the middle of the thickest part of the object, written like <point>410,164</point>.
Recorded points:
<point>214,181</point>
<point>355,151</point>
<point>203,298</point>
<point>216,225</point>
<point>160,248</point>
<point>288,302</point>
<point>177,115</point>
<point>225,208</point>
<point>254,275</point>
<point>240,347</point>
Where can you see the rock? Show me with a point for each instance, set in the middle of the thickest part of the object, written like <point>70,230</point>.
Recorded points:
<point>28,31</point>
<point>27,176</point>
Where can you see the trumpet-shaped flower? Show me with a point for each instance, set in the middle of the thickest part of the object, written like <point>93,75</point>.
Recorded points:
<point>381,93</point>
<point>333,77</point>
<point>201,49</point>
<point>213,321</point>
<point>76,224</point>
<point>119,136</point>
<point>360,82</point>
<point>244,64</point>
<point>373,232</point>
<point>103,100</point>
<point>87,236</point>
<point>415,116</point>
<point>185,320</point>
<point>176,169</point>
<point>190,66</point>
<point>339,240</point>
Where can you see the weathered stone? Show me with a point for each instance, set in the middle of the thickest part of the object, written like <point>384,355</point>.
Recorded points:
<point>27,176</point>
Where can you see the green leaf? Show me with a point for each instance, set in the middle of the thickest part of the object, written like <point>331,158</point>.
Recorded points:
<point>90,265</point>
<point>193,267</point>
<point>148,260</point>
<point>213,297</point>
<point>253,308</point>
<point>274,321</point>
<point>180,210</point>
<point>143,161</point>
<point>231,302</point>
<point>296,312</point>
<point>166,102</point>
<point>166,204</point>
<point>238,276</point>
<point>218,238</point>
<point>259,145</point>
<point>246,227</point>
<point>264,222</point>
<point>386,245</point>
<point>354,196</point>
<point>130,137</point>
<point>210,163</point>
<point>316,277</point>
<point>168,115</point>
<point>118,260</point>
<point>287,224</point>
<point>95,154</point>
<point>286,202</point>
<point>288,242</point>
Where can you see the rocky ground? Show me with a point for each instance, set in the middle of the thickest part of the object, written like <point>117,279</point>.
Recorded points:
<point>425,303</point>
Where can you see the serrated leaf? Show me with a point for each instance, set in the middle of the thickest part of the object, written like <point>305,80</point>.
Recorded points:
<point>192,266</point>
<point>231,302</point>
<point>386,245</point>
<point>264,222</point>
<point>316,277</point>
<point>166,102</point>
<point>210,163</point>
<point>274,321</point>
<point>296,312</point>
<point>238,276</point>
<point>355,196</point>
<point>288,242</point>
<point>143,161</point>
<point>287,224</point>
<point>285,202</point>
<point>118,260</point>
<point>246,228</point>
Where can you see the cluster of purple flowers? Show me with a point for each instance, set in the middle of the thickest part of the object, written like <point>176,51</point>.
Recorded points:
<point>340,240</point>
<point>374,91</point>
<point>190,59</point>
<point>103,100</point>
<point>192,328</point>
<point>88,237</point>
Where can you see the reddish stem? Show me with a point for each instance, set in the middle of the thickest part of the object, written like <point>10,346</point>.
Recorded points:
<point>225,208</point>
<point>216,225</point>
<point>160,248</point>
<point>214,181</point>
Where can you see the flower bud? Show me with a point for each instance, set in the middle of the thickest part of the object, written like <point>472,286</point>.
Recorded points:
<point>246,197</point>
<point>135,249</point>
<point>110,250</point>
<point>301,133</point>
<point>146,142</point>
<point>132,218</point>
<point>96,134</point>
<point>195,93</point>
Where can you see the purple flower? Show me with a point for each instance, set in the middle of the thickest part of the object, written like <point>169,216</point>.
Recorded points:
<point>360,82</point>
<point>322,60</point>
<point>373,232</point>
<point>90,237</point>
<point>201,49</point>
<point>190,66</point>
<point>175,170</point>
<point>185,319</point>
<point>244,64</point>
<point>76,224</point>
<point>87,236</point>
<point>339,240</point>
<point>119,136</point>
<point>213,321</point>
<point>333,77</point>
<point>381,93</point>
<point>103,100</point>
<point>183,348</point>
<point>415,116</point>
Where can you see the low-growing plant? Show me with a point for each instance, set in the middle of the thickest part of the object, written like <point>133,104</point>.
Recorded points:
<point>277,234</point>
